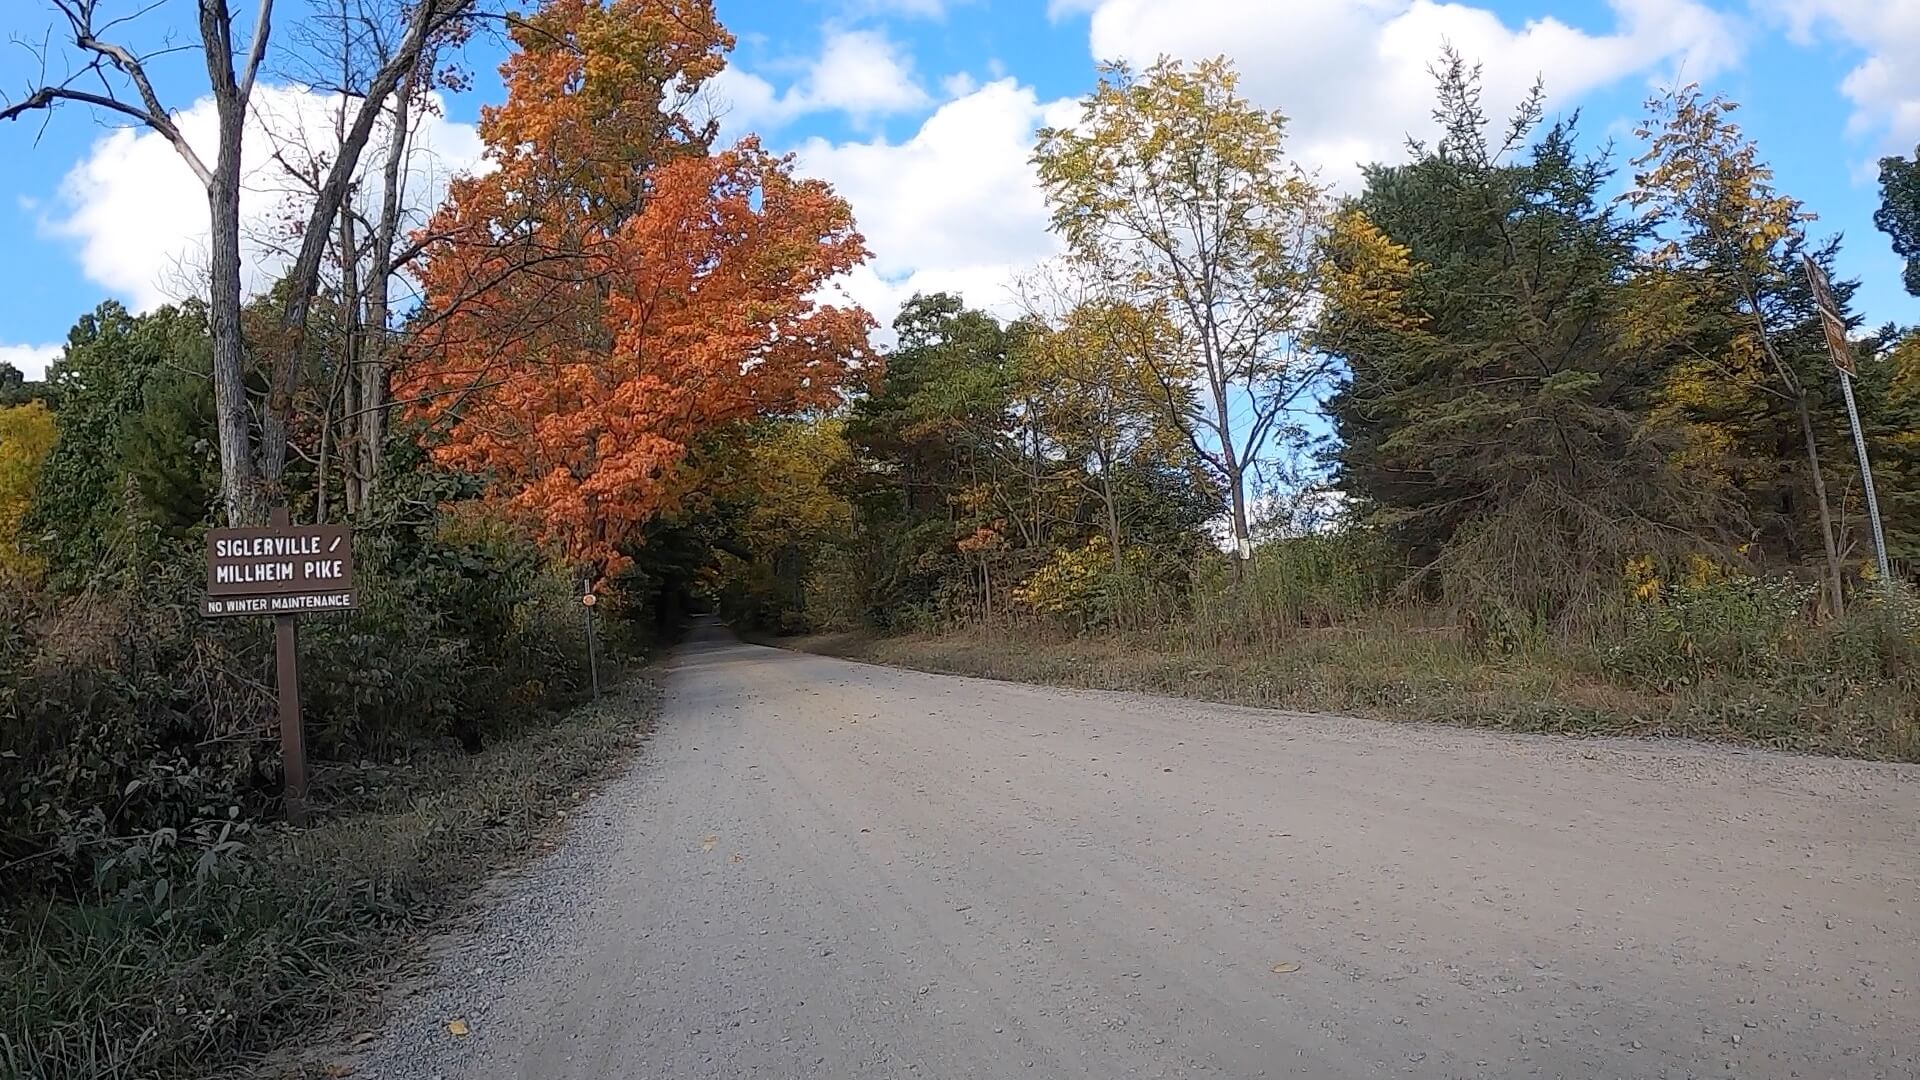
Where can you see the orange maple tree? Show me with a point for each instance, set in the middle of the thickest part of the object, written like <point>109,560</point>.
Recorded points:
<point>614,287</point>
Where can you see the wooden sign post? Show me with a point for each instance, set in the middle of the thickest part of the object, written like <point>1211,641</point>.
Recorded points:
<point>282,570</point>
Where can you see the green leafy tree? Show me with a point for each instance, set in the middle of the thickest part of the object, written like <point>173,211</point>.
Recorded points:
<point>773,486</point>
<point>102,382</point>
<point>1899,213</point>
<point>13,385</point>
<point>1896,450</point>
<point>1102,412</point>
<point>169,451</point>
<point>944,484</point>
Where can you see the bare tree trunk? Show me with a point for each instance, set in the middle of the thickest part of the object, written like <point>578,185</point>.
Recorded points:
<point>346,374</point>
<point>1034,470</point>
<point>238,489</point>
<point>1242,535</point>
<point>239,483</point>
<point>322,469</point>
<point>1105,461</point>
<point>1235,471</point>
<point>375,361</point>
<point>303,277</point>
<point>352,480</point>
<point>1836,591</point>
<point>1836,583</point>
<point>1797,390</point>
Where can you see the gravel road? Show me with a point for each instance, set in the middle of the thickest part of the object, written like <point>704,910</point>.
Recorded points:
<point>825,869</point>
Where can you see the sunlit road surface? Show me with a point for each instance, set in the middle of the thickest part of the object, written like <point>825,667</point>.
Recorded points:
<point>825,869</point>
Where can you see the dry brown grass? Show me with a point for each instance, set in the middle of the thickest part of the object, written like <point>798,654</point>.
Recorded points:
<point>1392,672</point>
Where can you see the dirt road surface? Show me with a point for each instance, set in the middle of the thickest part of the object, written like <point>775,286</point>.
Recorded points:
<point>825,869</point>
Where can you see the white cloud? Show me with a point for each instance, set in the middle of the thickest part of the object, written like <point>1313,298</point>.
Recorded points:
<point>925,9</point>
<point>959,84</point>
<point>1061,9</point>
<point>32,360</point>
<point>140,218</point>
<point>1885,86</point>
<point>955,207</point>
<point>862,73</point>
<point>1353,75</point>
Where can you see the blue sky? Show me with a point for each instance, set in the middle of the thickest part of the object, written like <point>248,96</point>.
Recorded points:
<point>922,111</point>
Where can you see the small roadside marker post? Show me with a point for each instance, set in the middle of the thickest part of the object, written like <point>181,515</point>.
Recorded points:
<point>587,600</point>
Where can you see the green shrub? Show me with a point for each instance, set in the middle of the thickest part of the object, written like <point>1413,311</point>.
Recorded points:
<point>1877,640</point>
<point>278,937</point>
<point>1086,588</point>
<point>133,731</point>
<point>456,636</point>
<point>1732,628</point>
<point>126,725</point>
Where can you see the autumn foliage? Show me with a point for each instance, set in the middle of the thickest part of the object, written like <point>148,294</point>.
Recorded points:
<point>615,287</point>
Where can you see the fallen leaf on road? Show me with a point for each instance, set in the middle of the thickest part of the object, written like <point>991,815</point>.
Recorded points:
<point>1287,968</point>
<point>707,844</point>
<point>457,1027</point>
<point>737,857</point>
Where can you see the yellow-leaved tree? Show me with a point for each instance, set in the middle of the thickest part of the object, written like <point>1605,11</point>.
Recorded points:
<point>1176,194</point>
<point>26,435</point>
<point>1089,377</point>
<point>767,489</point>
<point>1701,181</point>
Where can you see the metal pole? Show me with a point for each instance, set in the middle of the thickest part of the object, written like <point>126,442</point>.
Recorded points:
<point>593,660</point>
<point>1866,481</point>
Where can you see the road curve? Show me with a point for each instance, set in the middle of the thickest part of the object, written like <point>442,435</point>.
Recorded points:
<point>827,869</point>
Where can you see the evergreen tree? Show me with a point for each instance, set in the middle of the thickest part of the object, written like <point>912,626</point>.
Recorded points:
<point>1502,354</point>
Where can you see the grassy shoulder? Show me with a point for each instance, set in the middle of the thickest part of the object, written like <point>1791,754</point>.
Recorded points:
<point>1400,673</point>
<point>282,934</point>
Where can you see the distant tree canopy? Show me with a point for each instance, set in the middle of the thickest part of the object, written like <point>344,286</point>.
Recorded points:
<point>117,390</point>
<point>989,454</point>
<point>13,385</point>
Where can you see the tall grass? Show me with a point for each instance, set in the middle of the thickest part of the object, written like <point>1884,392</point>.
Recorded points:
<point>277,938</point>
<point>1329,580</point>
<point>1332,623</point>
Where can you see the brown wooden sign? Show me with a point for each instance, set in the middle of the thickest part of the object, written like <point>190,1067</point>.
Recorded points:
<point>1838,347</point>
<point>282,570</point>
<point>279,570</point>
